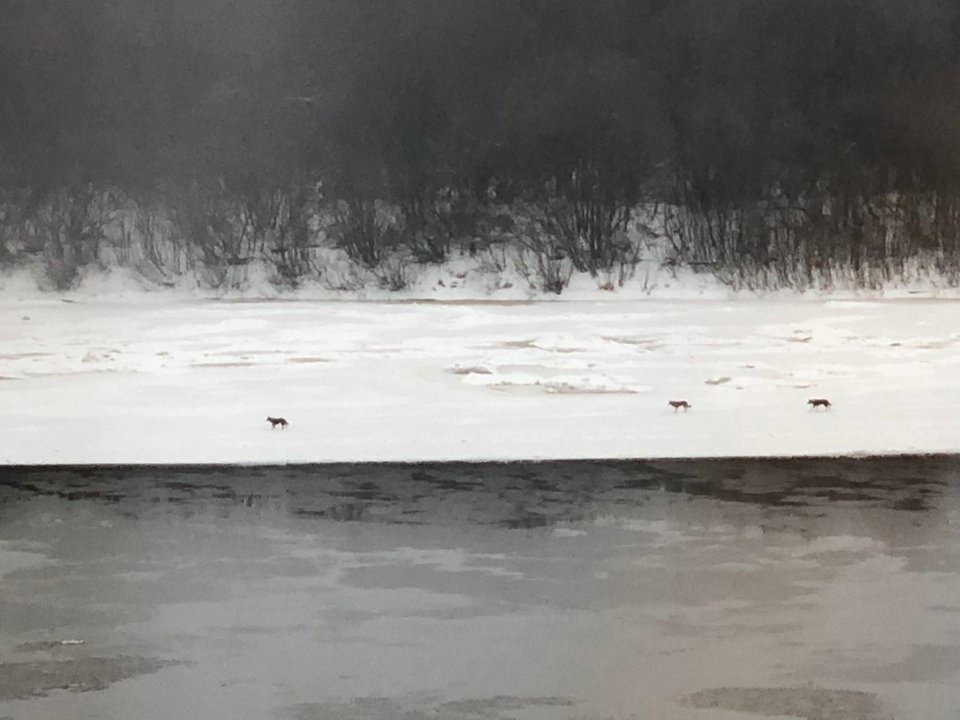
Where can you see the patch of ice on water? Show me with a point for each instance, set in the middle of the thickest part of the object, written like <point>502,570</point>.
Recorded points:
<point>840,543</point>
<point>718,380</point>
<point>14,559</point>
<point>478,369</point>
<point>664,532</point>
<point>732,566</point>
<point>589,384</point>
<point>571,343</point>
<point>562,532</point>
<point>563,383</point>
<point>811,702</point>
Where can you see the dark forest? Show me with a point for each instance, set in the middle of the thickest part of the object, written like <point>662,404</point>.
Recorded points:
<point>774,143</point>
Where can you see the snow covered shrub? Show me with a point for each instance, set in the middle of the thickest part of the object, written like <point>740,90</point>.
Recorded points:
<point>394,272</point>
<point>278,222</point>
<point>544,272</point>
<point>854,235</point>
<point>142,237</point>
<point>745,245</point>
<point>593,237</point>
<point>339,272</point>
<point>69,225</point>
<point>160,249</point>
<point>493,259</point>
<point>432,225</point>
<point>623,265</point>
<point>588,214</point>
<point>212,227</point>
<point>540,259</point>
<point>361,230</point>
<point>12,229</point>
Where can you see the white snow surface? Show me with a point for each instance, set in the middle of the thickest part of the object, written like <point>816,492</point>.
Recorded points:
<point>162,377</point>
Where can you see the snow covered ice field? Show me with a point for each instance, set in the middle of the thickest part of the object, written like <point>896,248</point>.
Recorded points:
<point>150,379</point>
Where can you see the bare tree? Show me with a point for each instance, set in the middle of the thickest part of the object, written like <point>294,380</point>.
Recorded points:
<point>70,224</point>
<point>362,232</point>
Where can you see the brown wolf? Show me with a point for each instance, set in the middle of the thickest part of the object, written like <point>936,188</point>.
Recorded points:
<point>277,421</point>
<point>818,402</point>
<point>677,404</point>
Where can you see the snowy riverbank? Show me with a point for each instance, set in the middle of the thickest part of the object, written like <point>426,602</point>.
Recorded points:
<point>154,378</point>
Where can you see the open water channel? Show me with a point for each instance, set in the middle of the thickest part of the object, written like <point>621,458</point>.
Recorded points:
<point>826,589</point>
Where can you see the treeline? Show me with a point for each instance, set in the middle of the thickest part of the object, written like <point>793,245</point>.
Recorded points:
<point>772,142</point>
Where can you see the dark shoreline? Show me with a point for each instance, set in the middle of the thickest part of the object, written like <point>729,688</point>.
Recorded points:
<point>563,462</point>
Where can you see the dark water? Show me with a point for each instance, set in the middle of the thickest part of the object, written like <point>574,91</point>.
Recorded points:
<point>504,494</point>
<point>825,588</point>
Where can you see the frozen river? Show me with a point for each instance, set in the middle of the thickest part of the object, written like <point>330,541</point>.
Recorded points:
<point>704,590</point>
<point>156,380</point>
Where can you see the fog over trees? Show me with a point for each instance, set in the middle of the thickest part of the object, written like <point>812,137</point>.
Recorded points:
<point>772,142</point>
